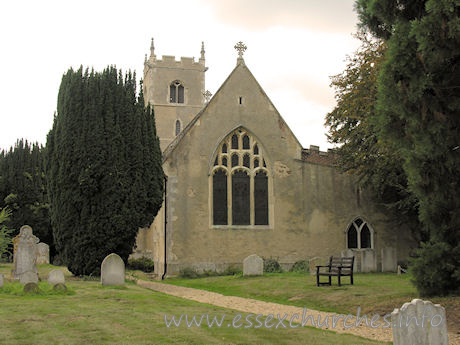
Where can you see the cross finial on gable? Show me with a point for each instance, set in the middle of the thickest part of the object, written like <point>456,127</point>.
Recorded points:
<point>207,96</point>
<point>241,48</point>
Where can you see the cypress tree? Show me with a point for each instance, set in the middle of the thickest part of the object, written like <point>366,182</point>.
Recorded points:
<point>97,168</point>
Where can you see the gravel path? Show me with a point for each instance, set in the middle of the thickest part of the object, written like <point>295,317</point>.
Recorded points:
<point>265,308</point>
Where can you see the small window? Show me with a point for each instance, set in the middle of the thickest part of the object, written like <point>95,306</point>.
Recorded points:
<point>216,162</point>
<point>246,161</point>
<point>241,100</point>
<point>234,142</point>
<point>256,163</point>
<point>177,127</point>
<point>176,92</point>
<point>245,142</point>
<point>224,161</point>
<point>235,160</point>
<point>224,148</point>
<point>256,149</point>
<point>359,235</point>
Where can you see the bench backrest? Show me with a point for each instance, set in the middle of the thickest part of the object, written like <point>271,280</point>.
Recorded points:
<point>345,262</point>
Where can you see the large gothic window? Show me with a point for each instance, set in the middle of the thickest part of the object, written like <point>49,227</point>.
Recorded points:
<point>240,182</point>
<point>359,235</point>
<point>176,92</point>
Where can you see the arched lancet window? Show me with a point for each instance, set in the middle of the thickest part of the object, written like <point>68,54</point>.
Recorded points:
<point>359,235</point>
<point>241,208</point>
<point>177,127</point>
<point>176,92</point>
<point>242,167</point>
<point>219,189</point>
<point>261,198</point>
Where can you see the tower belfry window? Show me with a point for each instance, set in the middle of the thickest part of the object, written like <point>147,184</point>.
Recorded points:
<point>176,92</point>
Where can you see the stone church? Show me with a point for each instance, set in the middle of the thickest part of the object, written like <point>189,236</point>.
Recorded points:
<point>238,182</point>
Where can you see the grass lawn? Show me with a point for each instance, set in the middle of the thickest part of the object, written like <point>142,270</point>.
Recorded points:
<point>92,314</point>
<point>373,292</point>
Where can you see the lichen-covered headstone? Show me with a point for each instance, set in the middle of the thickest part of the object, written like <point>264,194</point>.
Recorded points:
<point>60,287</point>
<point>56,277</point>
<point>253,265</point>
<point>25,256</point>
<point>312,263</point>
<point>368,261</point>
<point>43,253</point>
<point>28,277</point>
<point>389,259</point>
<point>113,270</point>
<point>419,323</point>
<point>31,287</point>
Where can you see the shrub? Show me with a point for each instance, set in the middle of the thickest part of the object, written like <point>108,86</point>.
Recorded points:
<point>188,272</point>
<point>272,265</point>
<point>143,264</point>
<point>301,266</point>
<point>232,271</point>
<point>5,233</point>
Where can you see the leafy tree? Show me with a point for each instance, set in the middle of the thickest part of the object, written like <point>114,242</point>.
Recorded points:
<point>418,112</point>
<point>23,189</point>
<point>378,165</point>
<point>103,165</point>
<point>5,233</point>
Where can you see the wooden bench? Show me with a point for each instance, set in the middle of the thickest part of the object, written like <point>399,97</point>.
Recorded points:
<point>338,267</point>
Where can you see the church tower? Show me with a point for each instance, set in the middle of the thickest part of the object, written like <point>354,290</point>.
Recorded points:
<point>176,89</point>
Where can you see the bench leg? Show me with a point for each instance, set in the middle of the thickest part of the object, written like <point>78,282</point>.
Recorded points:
<point>351,279</point>
<point>338,278</point>
<point>330,282</point>
<point>317,280</point>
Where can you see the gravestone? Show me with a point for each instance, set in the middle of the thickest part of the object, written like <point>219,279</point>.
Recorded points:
<point>419,323</point>
<point>43,253</point>
<point>253,265</point>
<point>1,280</point>
<point>31,287</point>
<point>389,260</point>
<point>56,277</point>
<point>368,261</point>
<point>25,256</point>
<point>113,270</point>
<point>28,277</point>
<point>60,287</point>
<point>312,263</point>
<point>348,253</point>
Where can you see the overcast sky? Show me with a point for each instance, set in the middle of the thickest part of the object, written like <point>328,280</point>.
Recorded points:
<point>294,46</point>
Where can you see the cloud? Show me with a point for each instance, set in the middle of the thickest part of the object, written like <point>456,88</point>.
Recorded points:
<point>317,15</point>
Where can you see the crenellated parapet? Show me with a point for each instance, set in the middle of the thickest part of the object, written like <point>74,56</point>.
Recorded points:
<point>168,61</point>
<point>314,155</point>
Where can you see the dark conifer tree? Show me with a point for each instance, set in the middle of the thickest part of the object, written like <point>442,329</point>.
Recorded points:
<point>23,189</point>
<point>104,183</point>
<point>418,112</point>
